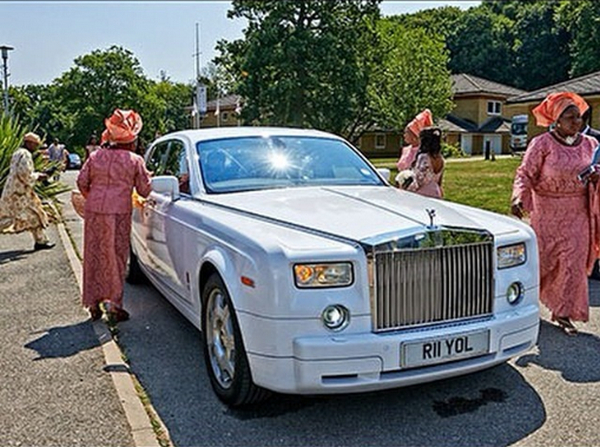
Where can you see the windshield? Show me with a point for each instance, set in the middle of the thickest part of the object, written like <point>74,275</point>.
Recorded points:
<point>247,163</point>
<point>518,129</point>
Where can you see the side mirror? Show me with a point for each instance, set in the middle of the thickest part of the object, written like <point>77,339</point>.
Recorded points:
<point>166,184</point>
<point>385,173</point>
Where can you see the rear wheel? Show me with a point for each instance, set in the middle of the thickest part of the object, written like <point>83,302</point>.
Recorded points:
<point>224,351</point>
<point>134,273</point>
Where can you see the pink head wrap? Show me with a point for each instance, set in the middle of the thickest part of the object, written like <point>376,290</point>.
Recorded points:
<point>122,127</point>
<point>422,120</point>
<point>550,109</point>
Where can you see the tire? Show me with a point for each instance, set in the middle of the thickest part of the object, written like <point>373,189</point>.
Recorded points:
<point>224,353</point>
<point>134,273</point>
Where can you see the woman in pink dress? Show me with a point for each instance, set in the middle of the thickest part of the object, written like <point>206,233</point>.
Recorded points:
<point>429,165</point>
<point>106,181</point>
<point>547,187</point>
<point>411,137</point>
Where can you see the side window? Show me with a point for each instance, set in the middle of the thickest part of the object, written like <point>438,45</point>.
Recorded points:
<point>157,160</point>
<point>177,165</point>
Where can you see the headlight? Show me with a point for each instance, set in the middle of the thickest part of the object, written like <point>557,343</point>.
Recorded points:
<point>309,276</point>
<point>514,293</point>
<point>335,317</point>
<point>511,255</point>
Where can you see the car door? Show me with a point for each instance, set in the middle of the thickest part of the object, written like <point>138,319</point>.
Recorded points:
<point>144,222</point>
<point>171,227</point>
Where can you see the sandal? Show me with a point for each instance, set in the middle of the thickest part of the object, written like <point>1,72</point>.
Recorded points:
<point>95,313</point>
<point>118,315</point>
<point>566,325</point>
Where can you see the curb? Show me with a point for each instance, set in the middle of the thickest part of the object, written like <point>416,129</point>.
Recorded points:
<point>137,416</point>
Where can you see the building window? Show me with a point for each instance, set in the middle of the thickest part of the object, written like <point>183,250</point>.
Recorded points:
<point>380,141</point>
<point>494,107</point>
<point>225,116</point>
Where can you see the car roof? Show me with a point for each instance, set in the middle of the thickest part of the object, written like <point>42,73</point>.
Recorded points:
<point>213,133</point>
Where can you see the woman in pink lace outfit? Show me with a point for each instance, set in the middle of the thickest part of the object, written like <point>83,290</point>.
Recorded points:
<point>411,137</point>
<point>547,187</point>
<point>106,181</point>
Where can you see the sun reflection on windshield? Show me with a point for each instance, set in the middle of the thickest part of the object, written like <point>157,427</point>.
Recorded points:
<point>279,161</point>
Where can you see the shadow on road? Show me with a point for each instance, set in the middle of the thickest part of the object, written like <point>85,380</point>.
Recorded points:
<point>13,255</point>
<point>165,353</point>
<point>566,354</point>
<point>64,341</point>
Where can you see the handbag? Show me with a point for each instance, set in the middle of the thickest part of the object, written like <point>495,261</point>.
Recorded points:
<point>78,202</point>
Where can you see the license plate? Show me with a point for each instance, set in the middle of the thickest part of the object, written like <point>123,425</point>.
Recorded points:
<point>444,349</point>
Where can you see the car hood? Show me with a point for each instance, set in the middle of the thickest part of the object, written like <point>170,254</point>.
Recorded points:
<point>360,213</point>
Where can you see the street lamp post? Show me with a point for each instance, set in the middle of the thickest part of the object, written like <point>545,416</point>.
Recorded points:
<point>5,49</point>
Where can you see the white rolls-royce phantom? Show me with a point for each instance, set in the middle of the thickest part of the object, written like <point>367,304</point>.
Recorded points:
<point>308,273</point>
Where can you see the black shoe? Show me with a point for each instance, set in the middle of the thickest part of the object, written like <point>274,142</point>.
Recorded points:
<point>44,246</point>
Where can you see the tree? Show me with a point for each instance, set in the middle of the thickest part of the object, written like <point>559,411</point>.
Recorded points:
<point>582,20</point>
<point>481,44</point>
<point>166,104</point>
<point>411,75</point>
<point>98,83</point>
<point>302,63</point>
<point>541,46</point>
<point>440,22</point>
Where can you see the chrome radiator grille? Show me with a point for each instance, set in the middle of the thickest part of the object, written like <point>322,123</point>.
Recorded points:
<point>421,286</point>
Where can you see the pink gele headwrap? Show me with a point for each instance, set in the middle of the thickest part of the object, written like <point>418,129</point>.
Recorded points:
<point>122,127</point>
<point>422,120</point>
<point>550,109</point>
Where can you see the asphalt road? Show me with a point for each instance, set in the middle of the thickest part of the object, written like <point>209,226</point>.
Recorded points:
<point>548,397</point>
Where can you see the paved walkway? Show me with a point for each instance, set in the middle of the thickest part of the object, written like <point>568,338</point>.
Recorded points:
<point>64,382</point>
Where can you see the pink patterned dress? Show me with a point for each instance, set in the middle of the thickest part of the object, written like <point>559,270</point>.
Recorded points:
<point>427,181</point>
<point>107,180</point>
<point>559,205</point>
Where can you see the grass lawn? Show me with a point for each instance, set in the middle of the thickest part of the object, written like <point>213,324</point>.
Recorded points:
<point>478,183</point>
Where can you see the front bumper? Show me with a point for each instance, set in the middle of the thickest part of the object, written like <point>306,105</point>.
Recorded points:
<point>367,361</point>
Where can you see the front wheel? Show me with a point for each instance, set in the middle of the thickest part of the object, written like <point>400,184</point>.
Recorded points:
<point>224,351</point>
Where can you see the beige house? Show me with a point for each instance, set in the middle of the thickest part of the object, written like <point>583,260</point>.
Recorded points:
<point>587,86</point>
<point>479,119</point>
<point>381,143</point>
<point>222,112</point>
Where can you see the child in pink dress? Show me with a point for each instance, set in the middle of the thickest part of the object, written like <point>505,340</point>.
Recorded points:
<point>429,165</point>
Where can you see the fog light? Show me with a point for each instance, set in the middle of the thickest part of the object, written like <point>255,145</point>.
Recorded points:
<point>335,317</point>
<point>514,293</point>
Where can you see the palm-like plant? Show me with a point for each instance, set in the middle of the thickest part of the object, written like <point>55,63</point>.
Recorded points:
<point>11,136</point>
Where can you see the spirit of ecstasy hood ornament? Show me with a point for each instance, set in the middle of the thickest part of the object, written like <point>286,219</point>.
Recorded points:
<point>431,214</point>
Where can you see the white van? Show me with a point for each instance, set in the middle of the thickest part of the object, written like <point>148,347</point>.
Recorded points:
<point>518,133</point>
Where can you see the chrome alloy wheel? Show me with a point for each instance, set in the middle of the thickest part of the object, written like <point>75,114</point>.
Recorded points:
<point>220,338</point>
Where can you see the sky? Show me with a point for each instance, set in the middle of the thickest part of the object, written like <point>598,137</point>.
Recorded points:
<point>48,36</point>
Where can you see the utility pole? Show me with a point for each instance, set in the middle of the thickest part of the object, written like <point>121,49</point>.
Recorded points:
<point>200,97</point>
<point>5,49</point>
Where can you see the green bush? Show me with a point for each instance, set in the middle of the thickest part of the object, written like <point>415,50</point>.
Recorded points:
<point>451,151</point>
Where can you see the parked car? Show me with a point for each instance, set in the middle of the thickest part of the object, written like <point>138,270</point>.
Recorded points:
<point>73,161</point>
<point>308,273</point>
